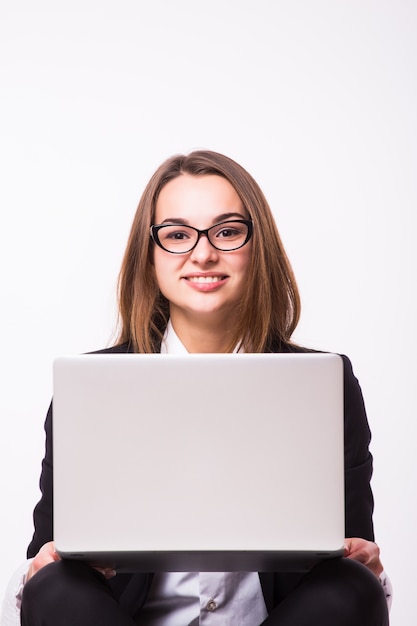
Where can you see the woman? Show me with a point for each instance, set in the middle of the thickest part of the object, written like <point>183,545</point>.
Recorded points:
<point>205,271</point>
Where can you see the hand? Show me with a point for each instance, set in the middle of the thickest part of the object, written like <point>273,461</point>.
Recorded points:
<point>47,554</point>
<point>365,552</point>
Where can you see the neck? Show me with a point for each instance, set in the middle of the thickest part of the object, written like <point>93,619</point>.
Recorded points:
<point>202,337</point>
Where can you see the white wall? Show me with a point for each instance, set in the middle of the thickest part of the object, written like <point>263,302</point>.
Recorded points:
<point>317,98</point>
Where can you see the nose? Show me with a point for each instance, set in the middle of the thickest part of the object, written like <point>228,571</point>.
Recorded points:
<point>204,251</point>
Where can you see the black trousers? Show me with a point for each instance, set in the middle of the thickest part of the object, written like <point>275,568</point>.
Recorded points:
<point>338,592</point>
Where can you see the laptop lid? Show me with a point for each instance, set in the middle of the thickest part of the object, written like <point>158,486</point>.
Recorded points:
<point>197,462</point>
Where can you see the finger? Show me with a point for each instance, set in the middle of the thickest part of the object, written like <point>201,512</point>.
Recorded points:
<point>347,548</point>
<point>359,556</point>
<point>107,572</point>
<point>361,550</point>
<point>55,556</point>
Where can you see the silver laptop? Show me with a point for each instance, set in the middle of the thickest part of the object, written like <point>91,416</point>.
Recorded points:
<point>199,462</point>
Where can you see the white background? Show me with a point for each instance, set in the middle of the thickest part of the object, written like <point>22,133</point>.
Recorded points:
<point>316,98</point>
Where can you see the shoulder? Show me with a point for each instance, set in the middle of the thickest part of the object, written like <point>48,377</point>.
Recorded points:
<point>122,348</point>
<point>293,348</point>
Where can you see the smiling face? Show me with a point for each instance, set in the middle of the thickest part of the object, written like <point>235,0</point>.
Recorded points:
<point>202,286</point>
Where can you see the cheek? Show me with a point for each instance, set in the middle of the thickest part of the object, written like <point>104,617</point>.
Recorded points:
<point>164,269</point>
<point>243,263</point>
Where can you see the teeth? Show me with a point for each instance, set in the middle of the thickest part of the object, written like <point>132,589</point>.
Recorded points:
<point>205,279</point>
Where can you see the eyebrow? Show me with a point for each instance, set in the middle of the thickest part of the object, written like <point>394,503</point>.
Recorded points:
<point>219,218</point>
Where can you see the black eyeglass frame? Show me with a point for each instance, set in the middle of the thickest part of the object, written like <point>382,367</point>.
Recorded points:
<point>155,228</point>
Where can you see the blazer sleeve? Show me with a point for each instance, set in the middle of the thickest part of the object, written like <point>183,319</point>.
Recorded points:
<point>42,514</point>
<point>359,503</point>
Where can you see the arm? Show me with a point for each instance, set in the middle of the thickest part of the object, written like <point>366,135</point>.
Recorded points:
<point>43,513</point>
<point>359,503</point>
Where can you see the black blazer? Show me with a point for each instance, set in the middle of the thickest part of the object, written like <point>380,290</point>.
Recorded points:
<point>131,589</point>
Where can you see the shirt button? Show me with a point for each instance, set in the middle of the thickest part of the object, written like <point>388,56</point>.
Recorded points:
<point>211,605</point>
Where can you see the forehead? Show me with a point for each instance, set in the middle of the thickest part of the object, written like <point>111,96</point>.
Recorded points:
<point>191,197</point>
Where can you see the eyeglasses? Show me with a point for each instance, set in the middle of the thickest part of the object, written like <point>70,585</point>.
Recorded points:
<point>224,236</point>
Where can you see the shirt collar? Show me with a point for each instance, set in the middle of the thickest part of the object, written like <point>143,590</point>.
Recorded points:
<point>171,343</point>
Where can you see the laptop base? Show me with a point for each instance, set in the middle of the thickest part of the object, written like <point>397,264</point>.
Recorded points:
<point>206,561</point>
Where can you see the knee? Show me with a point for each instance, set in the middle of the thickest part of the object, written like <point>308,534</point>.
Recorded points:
<point>40,588</point>
<point>357,589</point>
<point>55,585</point>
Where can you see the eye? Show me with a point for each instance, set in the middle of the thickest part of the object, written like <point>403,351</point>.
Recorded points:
<point>230,230</point>
<point>226,233</point>
<point>179,236</point>
<point>173,233</point>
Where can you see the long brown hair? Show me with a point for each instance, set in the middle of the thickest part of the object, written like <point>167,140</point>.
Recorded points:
<point>270,308</point>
